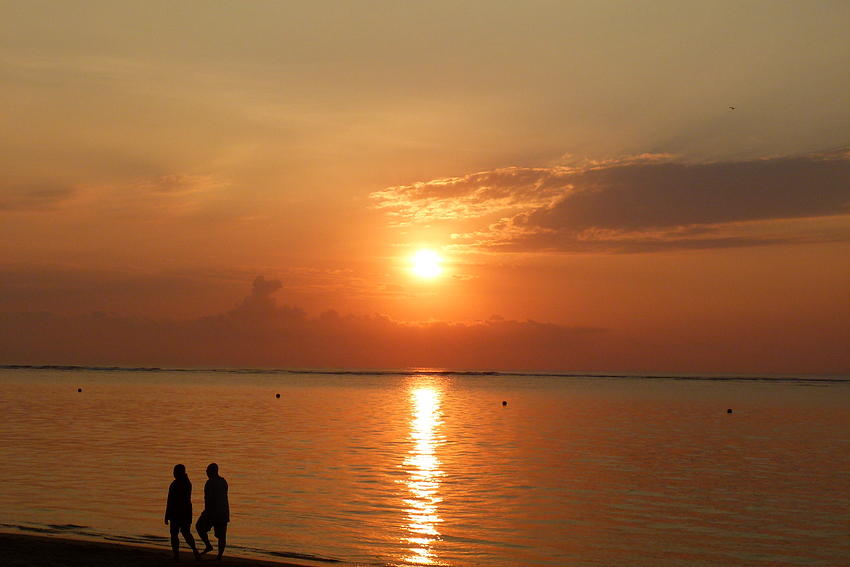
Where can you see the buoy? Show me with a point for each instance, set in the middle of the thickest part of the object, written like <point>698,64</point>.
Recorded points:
<point>504,403</point>
<point>277,395</point>
<point>728,411</point>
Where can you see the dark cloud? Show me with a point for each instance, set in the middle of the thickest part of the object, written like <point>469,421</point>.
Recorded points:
<point>258,332</point>
<point>662,195</point>
<point>643,204</point>
<point>33,197</point>
<point>263,287</point>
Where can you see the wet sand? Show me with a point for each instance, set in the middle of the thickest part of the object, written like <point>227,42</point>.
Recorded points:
<point>22,550</point>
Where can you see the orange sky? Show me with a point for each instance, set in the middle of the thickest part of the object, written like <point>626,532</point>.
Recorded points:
<point>597,203</point>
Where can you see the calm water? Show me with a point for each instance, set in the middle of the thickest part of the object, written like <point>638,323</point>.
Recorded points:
<point>429,469</point>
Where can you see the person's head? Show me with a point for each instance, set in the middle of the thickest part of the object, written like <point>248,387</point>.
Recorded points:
<point>179,471</point>
<point>212,470</point>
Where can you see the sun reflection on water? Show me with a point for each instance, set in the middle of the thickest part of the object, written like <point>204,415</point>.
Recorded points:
<point>423,482</point>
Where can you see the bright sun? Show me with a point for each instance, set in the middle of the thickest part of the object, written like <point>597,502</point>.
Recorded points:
<point>426,264</point>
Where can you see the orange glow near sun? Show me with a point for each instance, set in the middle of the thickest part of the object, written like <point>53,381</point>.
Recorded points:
<point>426,264</point>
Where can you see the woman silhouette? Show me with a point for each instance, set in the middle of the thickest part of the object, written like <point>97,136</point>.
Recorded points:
<point>179,511</point>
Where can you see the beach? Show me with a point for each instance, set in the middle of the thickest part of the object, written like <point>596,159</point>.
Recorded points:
<point>24,550</point>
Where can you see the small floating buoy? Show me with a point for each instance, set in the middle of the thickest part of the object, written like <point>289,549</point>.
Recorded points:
<point>277,395</point>
<point>729,411</point>
<point>504,403</point>
<point>79,389</point>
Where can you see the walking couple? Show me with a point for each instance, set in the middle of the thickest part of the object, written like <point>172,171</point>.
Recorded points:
<point>215,516</point>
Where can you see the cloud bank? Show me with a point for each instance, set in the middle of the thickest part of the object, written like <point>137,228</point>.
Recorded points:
<point>640,205</point>
<point>259,333</point>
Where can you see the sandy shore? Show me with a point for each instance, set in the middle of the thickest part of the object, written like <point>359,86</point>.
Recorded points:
<point>22,550</point>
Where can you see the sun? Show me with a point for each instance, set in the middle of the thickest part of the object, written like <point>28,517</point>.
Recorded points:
<point>426,264</point>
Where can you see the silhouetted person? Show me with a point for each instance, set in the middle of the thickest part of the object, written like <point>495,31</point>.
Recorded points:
<point>216,512</point>
<point>179,511</point>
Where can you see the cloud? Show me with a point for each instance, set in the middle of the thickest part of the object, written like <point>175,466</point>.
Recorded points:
<point>472,196</point>
<point>639,205</point>
<point>262,288</point>
<point>33,197</point>
<point>180,183</point>
<point>259,333</point>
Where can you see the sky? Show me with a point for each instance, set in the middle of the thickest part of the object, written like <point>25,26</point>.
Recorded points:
<point>610,186</point>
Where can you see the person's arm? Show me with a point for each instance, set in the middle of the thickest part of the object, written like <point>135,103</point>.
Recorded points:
<point>168,502</point>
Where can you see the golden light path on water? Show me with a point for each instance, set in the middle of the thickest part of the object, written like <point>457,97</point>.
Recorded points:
<point>423,480</point>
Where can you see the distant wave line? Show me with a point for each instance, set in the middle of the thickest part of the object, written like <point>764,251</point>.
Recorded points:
<point>811,379</point>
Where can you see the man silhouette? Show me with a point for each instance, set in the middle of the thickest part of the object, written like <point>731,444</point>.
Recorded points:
<point>216,512</point>
<point>178,511</point>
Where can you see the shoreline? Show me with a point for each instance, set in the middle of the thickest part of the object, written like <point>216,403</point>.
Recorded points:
<point>28,550</point>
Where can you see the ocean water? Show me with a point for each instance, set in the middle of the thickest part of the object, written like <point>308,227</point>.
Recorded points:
<point>431,468</point>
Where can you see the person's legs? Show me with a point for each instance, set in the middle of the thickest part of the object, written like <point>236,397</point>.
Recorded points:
<point>174,528</point>
<point>221,536</point>
<point>190,541</point>
<point>203,527</point>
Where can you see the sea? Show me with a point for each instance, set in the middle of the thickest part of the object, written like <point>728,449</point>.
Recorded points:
<point>439,467</point>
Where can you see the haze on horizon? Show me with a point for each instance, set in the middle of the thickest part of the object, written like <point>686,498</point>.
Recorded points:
<point>609,185</point>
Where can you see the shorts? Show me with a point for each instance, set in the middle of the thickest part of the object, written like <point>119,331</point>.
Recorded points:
<point>204,524</point>
<point>176,526</point>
